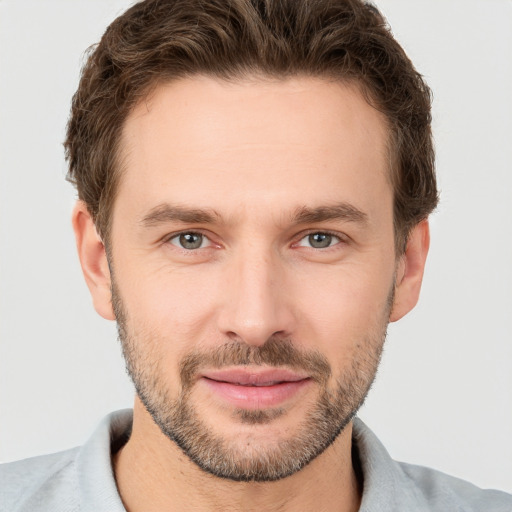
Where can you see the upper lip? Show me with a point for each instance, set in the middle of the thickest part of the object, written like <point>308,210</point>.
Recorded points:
<point>255,376</point>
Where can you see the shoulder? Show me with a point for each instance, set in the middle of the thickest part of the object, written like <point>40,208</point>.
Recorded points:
<point>391,485</point>
<point>445,492</point>
<point>68,481</point>
<point>34,484</point>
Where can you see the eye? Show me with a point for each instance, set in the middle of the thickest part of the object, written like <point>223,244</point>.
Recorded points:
<point>319,240</point>
<point>189,240</point>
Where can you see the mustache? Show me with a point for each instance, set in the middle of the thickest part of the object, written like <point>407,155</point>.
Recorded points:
<point>274,352</point>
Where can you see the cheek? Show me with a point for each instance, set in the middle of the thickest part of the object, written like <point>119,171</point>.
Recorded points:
<point>344,307</point>
<point>175,306</point>
<point>166,318</point>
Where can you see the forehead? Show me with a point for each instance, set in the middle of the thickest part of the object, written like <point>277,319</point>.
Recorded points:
<point>253,141</point>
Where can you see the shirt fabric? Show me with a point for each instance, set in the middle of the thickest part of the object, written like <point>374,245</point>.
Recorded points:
<point>82,480</point>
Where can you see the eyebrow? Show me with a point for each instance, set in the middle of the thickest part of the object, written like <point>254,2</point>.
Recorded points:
<point>340,211</point>
<point>172,213</point>
<point>303,215</point>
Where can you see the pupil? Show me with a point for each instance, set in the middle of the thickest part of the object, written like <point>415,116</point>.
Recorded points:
<point>191,240</point>
<point>320,240</point>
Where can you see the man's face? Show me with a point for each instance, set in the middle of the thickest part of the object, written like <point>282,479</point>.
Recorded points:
<point>253,265</point>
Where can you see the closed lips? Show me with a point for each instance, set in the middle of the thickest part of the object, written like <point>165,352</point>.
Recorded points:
<point>244,377</point>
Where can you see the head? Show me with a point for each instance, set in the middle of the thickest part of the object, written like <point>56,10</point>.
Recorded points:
<point>254,182</point>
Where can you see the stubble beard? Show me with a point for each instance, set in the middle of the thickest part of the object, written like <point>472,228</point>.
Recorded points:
<point>224,457</point>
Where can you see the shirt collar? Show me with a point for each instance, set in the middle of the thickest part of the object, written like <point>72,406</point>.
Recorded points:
<point>97,485</point>
<point>385,485</point>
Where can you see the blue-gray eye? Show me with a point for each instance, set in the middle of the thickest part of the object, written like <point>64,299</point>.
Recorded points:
<point>189,240</point>
<point>319,240</point>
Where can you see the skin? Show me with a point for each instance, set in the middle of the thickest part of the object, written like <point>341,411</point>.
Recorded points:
<point>255,152</point>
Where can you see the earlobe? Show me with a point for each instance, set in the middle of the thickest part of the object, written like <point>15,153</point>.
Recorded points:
<point>409,274</point>
<point>93,259</point>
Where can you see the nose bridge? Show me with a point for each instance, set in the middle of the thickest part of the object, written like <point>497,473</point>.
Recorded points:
<point>255,306</point>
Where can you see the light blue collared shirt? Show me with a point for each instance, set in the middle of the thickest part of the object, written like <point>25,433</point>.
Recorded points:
<point>82,479</point>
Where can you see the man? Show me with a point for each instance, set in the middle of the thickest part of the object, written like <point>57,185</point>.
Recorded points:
<point>255,181</point>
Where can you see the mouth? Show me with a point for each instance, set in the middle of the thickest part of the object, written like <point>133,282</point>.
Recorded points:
<point>256,388</point>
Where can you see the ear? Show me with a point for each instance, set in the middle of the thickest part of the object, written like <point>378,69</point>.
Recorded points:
<point>410,269</point>
<point>93,259</point>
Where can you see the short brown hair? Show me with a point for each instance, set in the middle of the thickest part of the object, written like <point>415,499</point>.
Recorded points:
<point>162,40</point>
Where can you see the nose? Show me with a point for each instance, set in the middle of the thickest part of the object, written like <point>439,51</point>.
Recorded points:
<point>256,299</point>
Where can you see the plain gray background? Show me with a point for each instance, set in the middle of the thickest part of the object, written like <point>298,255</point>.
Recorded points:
<point>443,396</point>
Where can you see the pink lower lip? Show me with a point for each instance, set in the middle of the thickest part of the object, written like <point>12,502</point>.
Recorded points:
<point>256,397</point>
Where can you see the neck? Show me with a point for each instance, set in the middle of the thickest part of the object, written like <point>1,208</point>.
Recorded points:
<point>153,474</point>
